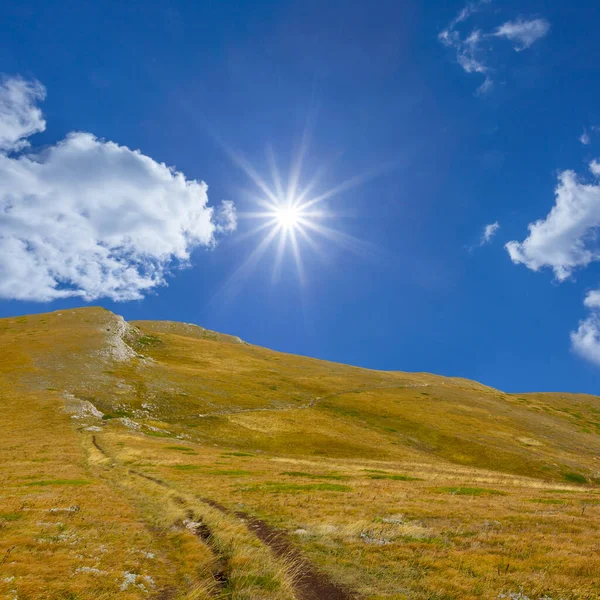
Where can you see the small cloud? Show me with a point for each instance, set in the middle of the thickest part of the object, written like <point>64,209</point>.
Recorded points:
<point>586,340</point>
<point>90,218</point>
<point>487,234</point>
<point>471,48</point>
<point>468,53</point>
<point>489,231</point>
<point>19,115</point>
<point>592,300</point>
<point>566,239</point>
<point>523,33</point>
<point>585,138</point>
<point>226,217</point>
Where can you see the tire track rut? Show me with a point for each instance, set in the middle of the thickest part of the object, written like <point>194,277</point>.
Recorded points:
<point>309,582</point>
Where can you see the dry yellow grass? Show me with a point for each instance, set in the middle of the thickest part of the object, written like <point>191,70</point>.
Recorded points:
<point>396,485</point>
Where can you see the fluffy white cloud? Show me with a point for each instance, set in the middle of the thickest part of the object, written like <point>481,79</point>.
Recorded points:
<point>523,33</point>
<point>489,231</point>
<point>592,300</point>
<point>19,115</point>
<point>566,239</point>
<point>472,49</point>
<point>90,218</point>
<point>586,340</point>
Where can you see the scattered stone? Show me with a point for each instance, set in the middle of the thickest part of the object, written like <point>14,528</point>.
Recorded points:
<point>130,424</point>
<point>373,540</point>
<point>132,579</point>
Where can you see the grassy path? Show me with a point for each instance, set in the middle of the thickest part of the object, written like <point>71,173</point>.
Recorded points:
<point>290,573</point>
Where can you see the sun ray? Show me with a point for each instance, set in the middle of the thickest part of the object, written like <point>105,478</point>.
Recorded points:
<point>253,232</point>
<point>345,240</point>
<point>350,183</point>
<point>279,256</point>
<point>296,168</point>
<point>235,280</point>
<point>297,256</point>
<point>275,172</point>
<point>239,160</point>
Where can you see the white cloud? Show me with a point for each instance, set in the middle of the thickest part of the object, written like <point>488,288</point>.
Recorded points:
<point>226,217</point>
<point>585,138</point>
<point>472,49</point>
<point>468,53</point>
<point>523,33</point>
<point>567,238</point>
<point>489,231</point>
<point>19,116</point>
<point>586,340</point>
<point>90,218</point>
<point>592,300</point>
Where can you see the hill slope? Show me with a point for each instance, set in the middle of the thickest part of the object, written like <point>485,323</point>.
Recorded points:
<point>132,449</point>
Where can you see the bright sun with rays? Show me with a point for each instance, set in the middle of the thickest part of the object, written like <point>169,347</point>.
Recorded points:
<point>293,219</point>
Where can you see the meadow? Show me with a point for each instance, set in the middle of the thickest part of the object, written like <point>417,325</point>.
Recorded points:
<point>162,460</point>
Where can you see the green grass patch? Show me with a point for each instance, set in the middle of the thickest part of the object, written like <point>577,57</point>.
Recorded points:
<point>187,467</point>
<point>237,454</point>
<point>274,486</point>
<point>468,491</point>
<point>315,476</point>
<point>572,477</point>
<point>413,539</point>
<point>547,501</point>
<point>45,482</point>
<point>148,341</point>
<point>395,477</point>
<point>10,516</point>
<point>160,434</point>
<point>186,449</point>
<point>117,414</point>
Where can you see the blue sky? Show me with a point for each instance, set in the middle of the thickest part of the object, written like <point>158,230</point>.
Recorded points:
<point>447,116</point>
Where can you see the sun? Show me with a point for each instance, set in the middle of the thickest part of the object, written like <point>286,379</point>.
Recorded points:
<point>288,217</point>
<point>293,218</point>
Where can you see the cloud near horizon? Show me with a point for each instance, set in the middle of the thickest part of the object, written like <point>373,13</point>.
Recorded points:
<point>90,218</point>
<point>472,55</point>
<point>567,240</point>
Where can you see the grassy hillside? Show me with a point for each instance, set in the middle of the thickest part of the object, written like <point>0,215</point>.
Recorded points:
<point>155,460</point>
